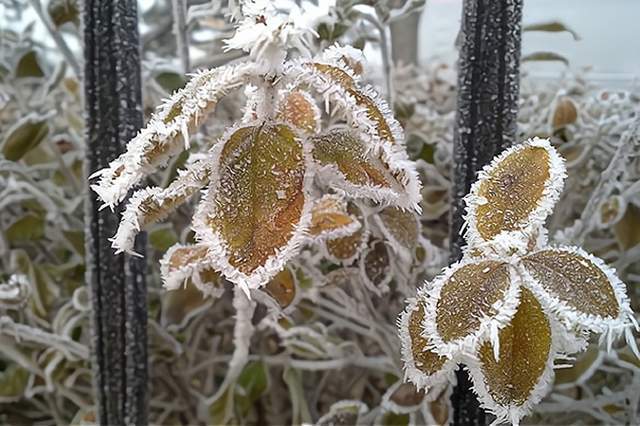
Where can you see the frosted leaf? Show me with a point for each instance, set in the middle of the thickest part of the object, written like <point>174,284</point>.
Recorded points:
<point>470,301</point>
<point>374,109</point>
<point>346,249</point>
<point>300,110</point>
<point>343,413</point>
<point>515,193</point>
<point>347,164</point>
<point>368,116</point>
<point>282,288</point>
<point>375,267</point>
<point>423,367</point>
<point>150,205</point>
<point>330,219</point>
<point>401,228</point>
<point>166,133</point>
<point>191,263</point>
<point>579,288</point>
<point>256,210</point>
<point>523,373</point>
<point>403,397</point>
<point>339,75</point>
<point>611,211</point>
<point>565,113</point>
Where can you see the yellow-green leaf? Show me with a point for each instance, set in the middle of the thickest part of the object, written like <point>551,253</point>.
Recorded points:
<point>23,138</point>
<point>29,66</point>
<point>27,228</point>
<point>257,201</point>
<point>63,11</point>
<point>551,26</point>
<point>545,56</point>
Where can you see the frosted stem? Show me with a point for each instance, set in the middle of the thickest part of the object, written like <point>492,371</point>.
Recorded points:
<point>57,38</point>
<point>181,32</point>
<point>242,332</point>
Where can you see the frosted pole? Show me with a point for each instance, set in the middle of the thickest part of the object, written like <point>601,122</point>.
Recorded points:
<point>488,90</point>
<point>113,104</point>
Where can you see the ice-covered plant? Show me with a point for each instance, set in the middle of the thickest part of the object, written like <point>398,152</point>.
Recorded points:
<point>513,305</point>
<point>267,178</point>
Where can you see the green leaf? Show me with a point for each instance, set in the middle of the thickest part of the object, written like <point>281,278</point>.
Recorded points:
<point>252,383</point>
<point>63,11</point>
<point>4,71</point>
<point>553,27</point>
<point>300,410</point>
<point>545,56</point>
<point>27,228</point>
<point>170,81</point>
<point>28,66</point>
<point>163,237</point>
<point>24,137</point>
<point>392,419</point>
<point>76,239</point>
<point>221,411</point>
<point>13,382</point>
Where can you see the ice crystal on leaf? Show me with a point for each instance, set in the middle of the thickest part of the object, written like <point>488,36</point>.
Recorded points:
<point>276,180</point>
<point>513,305</point>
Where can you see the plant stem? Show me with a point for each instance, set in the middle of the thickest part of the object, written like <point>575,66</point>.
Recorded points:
<point>180,31</point>
<point>57,38</point>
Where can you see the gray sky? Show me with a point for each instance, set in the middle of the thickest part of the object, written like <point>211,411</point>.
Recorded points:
<point>609,31</point>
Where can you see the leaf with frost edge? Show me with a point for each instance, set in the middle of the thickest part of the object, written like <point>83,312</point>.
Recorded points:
<point>421,380</point>
<point>274,264</point>
<point>173,280</point>
<point>283,95</point>
<point>343,231</point>
<point>392,152</point>
<point>130,224</point>
<point>405,253</point>
<point>513,414</point>
<point>609,329</point>
<point>364,239</point>
<point>202,93</point>
<point>383,287</point>
<point>489,326</point>
<point>518,238</point>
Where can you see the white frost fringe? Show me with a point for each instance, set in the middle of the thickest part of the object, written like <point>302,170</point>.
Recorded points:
<point>196,100</point>
<point>411,371</point>
<point>176,279</point>
<point>490,325</point>
<point>392,151</point>
<point>609,328</point>
<point>188,182</point>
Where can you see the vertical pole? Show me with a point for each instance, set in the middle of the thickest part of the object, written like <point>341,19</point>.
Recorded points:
<point>113,105</point>
<point>488,90</point>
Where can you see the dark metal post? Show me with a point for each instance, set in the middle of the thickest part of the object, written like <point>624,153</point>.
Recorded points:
<point>118,291</point>
<point>488,90</point>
